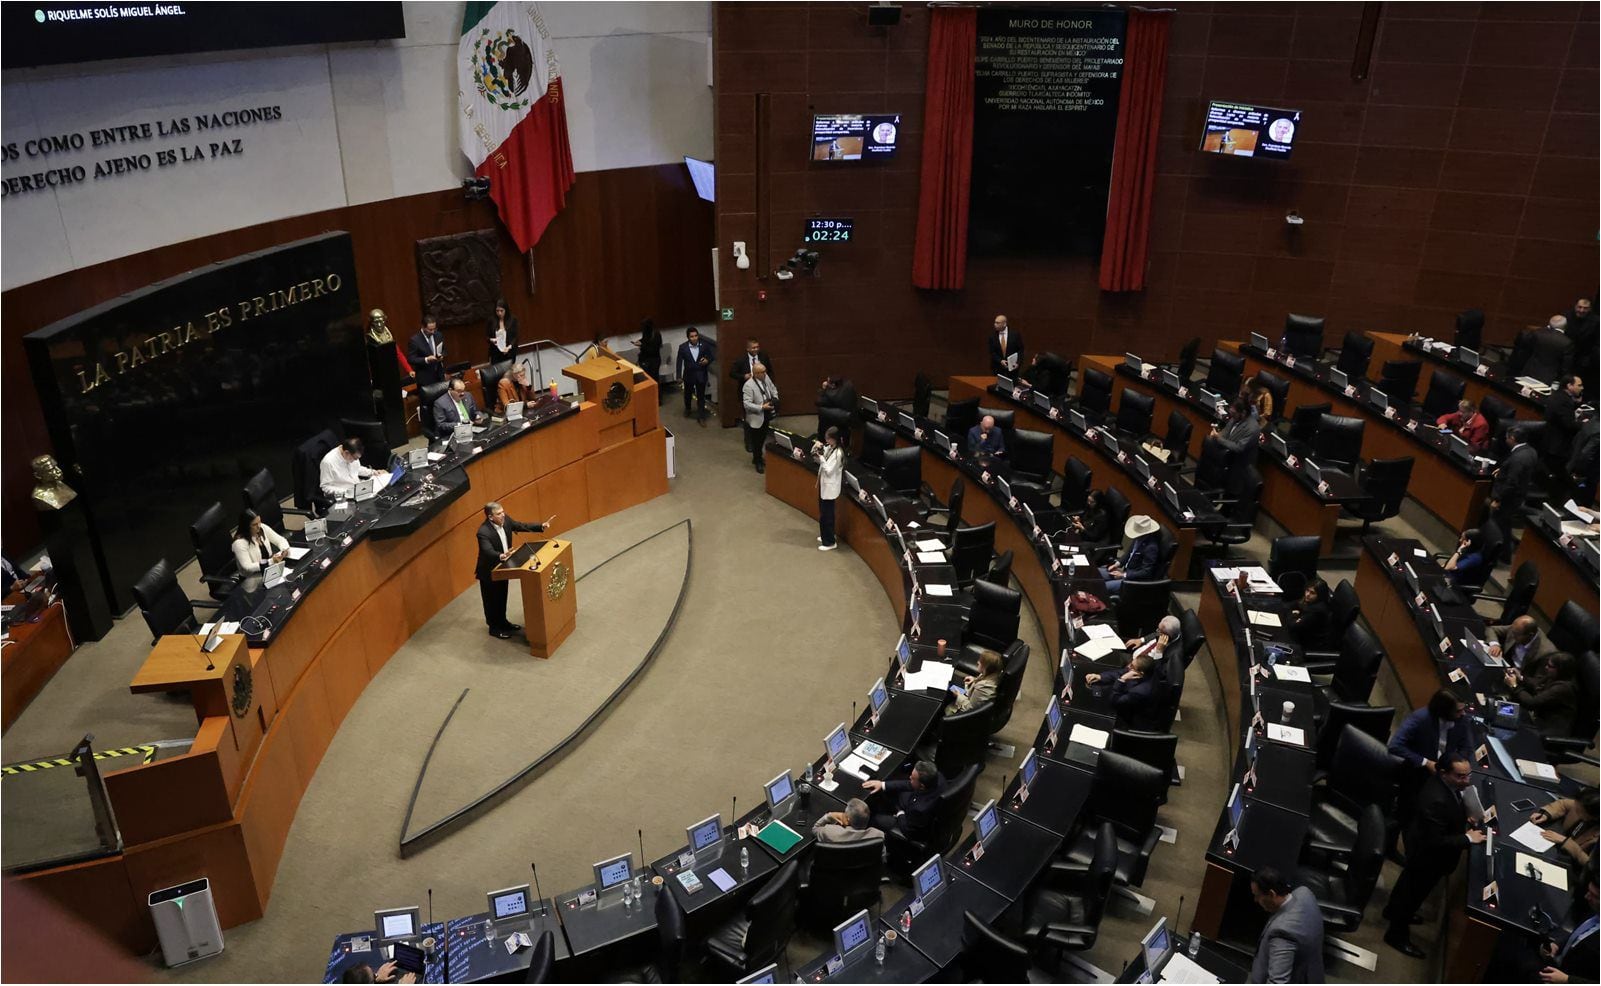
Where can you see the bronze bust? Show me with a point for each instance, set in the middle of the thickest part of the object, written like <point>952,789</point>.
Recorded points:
<point>50,493</point>
<point>378,328</point>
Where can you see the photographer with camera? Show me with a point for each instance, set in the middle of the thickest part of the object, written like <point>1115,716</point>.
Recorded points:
<point>760,396</point>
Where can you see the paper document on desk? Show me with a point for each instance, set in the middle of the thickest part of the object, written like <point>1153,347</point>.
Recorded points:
<point>1260,581</point>
<point>295,554</point>
<point>1180,968</point>
<point>722,880</point>
<point>1075,559</point>
<point>933,674</point>
<point>929,544</point>
<point>1420,553</point>
<point>1577,528</point>
<point>1089,736</point>
<point>1094,650</point>
<point>436,456</point>
<point>1286,734</point>
<point>1539,387</point>
<point>937,590</point>
<point>1576,510</point>
<point>931,557</point>
<point>1289,672</point>
<point>856,767</point>
<point>1534,768</point>
<point>1549,874</point>
<point>1106,632</point>
<point>227,628</point>
<point>1531,837</point>
<point>1262,618</point>
<point>1225,574</point>
<point>873,753</point>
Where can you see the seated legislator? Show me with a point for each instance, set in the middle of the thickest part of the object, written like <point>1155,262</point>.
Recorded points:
<point>985,441</point>
<point>1467,424</point>
<point>494,547</point>
<point>1574,958</point>
<point>1137,695</point>
<point>455,406</point>
<point>1522,644</point>
<point>1311,620</point>
<point>1093,523</point>
<point>1549,694</point>
<point>341,469</point>
<point>255,545</point>
<point>389,972</point>
<point>1142,559</point>
<point>513,388</point>
<point>914,799</point>
<point>977,689</point>
<point>1468,566</point>
<point>1261,400</point>
<point>1575,829</point>
<point>1165,644</point>
<point>854,824</point>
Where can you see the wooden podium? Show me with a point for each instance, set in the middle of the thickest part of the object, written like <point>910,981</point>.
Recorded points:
<point>550,595</point>
<point>230,688</point>
<point>607,381</point>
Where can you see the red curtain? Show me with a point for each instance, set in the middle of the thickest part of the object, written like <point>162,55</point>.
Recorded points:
<point>939,258</point>
<point>1139,112</point>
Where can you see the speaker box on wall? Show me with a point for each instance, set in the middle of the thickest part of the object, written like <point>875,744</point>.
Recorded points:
<point>883,15</point>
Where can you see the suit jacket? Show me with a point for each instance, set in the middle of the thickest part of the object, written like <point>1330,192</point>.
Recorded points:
<point>689,369</point>
<point>447,417</point>
<point>983,690</point>
<point>489,543</point>
<point>739,369</point>
<point>1551,353</point>
<point>1096,523</point>
<point>1513,477</point>
<point>1140,562</point>
<point>753,396</point>
<point>1291,947</point>
<point>1313,628</point>
<point>497,355</point>
<point>1418,738</point>
<point>978,444</point>
<point>1581,962</point>
<point>1140,703</point>
<point>1014,344</point>
<point>826,831</point>
<point>650,350</point>
<point>1561,425</point>
<point>1550,702</point>
<point>1538,649</point>
<point>1438,831</point>
<point>1241,438</point>
<point>841,398</point>
<point>507,392</point>
<point>417,353</point>
<point>1586,452</point>
<point>917,807</point>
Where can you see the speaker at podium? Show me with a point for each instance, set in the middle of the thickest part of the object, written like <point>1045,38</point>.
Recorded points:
<point>550,591</point>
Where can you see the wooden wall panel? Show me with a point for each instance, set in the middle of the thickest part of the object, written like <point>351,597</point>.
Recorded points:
<point>100,888</point>
<point>565,493</point>
<point>215,853</point>
<point>175,795</point>
<point>632,243</point>
<point>626,474</point>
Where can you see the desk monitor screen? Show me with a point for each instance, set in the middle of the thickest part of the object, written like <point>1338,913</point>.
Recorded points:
<point>903,652</point>
<point>878,695</point>
<point>614,872</point>
<point>942,440</point>
<point>1411,576</point>
<point>1469,357</point>
<point>1548,514</point>
<point>1030,768</point>
<point>908,422</point>
<point>986,821</point>
<point>396,923</point>
<point>1236,807</point>
<point>1156,946</point>
<point>1077,417</point>
<point>1276,442</point>
<point>869,406</point>
<point>1172,495</point>
<point>1053,716</point>
<point>1338,378</point>
<point>1459,447</point>
<point>928,878</point>
<point>1004,382</point>
<point>705,833</point>
<point>1260,341</point>
<point>509,903</point>
<point>837,743</point>
<point>1133,362</point>
<point>1110,442</point>
<point>916,605</point>
<point>410,958</point>
<point>779,790</point>
<point>767,975</point>
<point>852,482</point>
<point>1142,467</point>
<point>1314,472</point>
<point>853,933</point>
<point>1004,487</point>
<point>1042,401</point>
<point>1380,399</point>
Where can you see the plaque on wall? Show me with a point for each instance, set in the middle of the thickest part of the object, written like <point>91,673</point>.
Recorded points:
<point>458,276</point>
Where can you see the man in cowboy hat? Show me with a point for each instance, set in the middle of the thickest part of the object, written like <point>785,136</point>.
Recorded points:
<point>1141,560</point>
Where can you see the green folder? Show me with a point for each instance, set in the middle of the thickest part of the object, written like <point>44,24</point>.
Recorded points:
<point>780,837</point>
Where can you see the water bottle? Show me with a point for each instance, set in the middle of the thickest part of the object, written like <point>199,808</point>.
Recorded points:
<point>744,857</point>
<point>878,951</point>
<point>906,922</point>
<point>639,888</point>
<point>1195,943</point>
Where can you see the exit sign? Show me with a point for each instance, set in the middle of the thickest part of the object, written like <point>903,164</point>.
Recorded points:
<point>728,314</point>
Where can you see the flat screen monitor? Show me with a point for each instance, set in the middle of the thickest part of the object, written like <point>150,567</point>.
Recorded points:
<point>779,790</point>
<point>1248,130</point>
<point>1030,768</point>
<point>1171,379</point>
<point>614,872</point>
<point>512,902</point>
<point>1133,362</point>
<point>928,878</point>
<point>704,175</point>
<point>1379,398</point>
<point>1041,400</point>
<point>869,406</point>
<point>1338,378</point>
<point>1156,946</point>
<point>1236,807</point>
<point>1260,341</point>
<point>1077,418</point>
<point>767,975</point>
<point>903,652</point>
<point>986,821</point>
<point>396,923</point>
<point>1053,716</point>
<point>1110,442</point>
<point>908,422</point>
<point>705,834</point>
<point>853,933</point>
<point>878,695</point>
<point>942,440</point>
<point>1172,495</point>
<point>1004,382</point>
<point>855,136</point>
<point>837,743</point>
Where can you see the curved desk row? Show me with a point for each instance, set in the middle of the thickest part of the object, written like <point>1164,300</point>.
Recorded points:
<point>36,651</point>
<point>1495,379</point>
<point>1564,571</point>
<point>223,810</point>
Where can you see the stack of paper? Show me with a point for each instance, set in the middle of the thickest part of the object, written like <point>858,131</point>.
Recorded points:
<point>931,557</point>
<point>227,628</point>
<point>937,590</point>
<point>1289,672</point>
<point>1577,511</point>
<point>856,767</point>
<point>1225,574</point>
<point>933,674</point>
<point>1538,869</point>
<point>930,544</point>
<point>1263,618</point>
<point>1180,968</point>
<point>1534,768</point>
<point>1539,387</point>
<point>1286,734</point>
<point>295,554</point>
<point>1260,581</point>
<point>1094,650</point>
<point>1089,736</point>
<point>1532,837</point>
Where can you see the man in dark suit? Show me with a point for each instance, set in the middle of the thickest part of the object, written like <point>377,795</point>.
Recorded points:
<point>838,393</point>
<point>1167,643</point>
<point>1138,695</point>
<point>426,353</point>
<point>454,407</point>
<point>1141,560</point>
<point>1576,959</point>
<point>494,547</point>
<point>1550,351</point>
<point>1582,329</point>
<point>1513,477</point>
<point>740,370</point>
<point>1584,460</point>
<point>985,441</point>
<point>695,356</point>
<point>1423,739</point>
<point>1562,420</point>
<point>914,801</point>
<point>1434,842</point>
<point>1005,342</point>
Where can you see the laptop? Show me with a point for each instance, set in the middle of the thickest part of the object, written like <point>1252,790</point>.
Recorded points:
<point>410,958</point>
<point>397,471</point>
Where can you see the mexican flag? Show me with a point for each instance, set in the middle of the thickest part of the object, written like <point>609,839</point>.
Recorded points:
<point>513,120</point>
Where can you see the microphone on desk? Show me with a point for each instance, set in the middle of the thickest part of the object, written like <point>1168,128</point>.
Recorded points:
<point>537,892</point>
<point>1179,916</point>
<point>641,848</point>
<point>733,810</point>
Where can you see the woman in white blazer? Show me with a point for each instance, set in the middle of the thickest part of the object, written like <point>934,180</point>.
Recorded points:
<point>830,473</point>
<point>256,545</point>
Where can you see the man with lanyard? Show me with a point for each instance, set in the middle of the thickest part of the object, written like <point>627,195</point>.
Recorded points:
<point>760,398</point>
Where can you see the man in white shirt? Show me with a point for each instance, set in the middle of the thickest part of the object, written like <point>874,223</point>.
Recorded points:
<point>341,469</point>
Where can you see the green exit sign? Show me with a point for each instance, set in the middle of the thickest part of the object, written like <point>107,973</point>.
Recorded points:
<point>728,314</point>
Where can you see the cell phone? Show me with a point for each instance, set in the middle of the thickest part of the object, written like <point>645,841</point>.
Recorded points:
<point>1523,804</point>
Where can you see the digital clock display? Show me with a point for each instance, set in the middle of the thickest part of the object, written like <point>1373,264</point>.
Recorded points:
<point>828,230</point>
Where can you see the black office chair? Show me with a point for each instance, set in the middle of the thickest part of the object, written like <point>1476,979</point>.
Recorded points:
<point>1362,773</point>
<point>1572,748</point>
<point>1384,484</point>
<point>971,551</point>
<point>489,385</point>
<point>212,537</point>
<point>666,967</point>
<point>994,617</point>
<point>1016,663</point>
<point>1225,373</point>
<point>952,507</point>
<point>1574,630</point>
<point>903,470</point>
<point>374,442</point>
<point>542,960</point>
<point>1000,572</point>
<point>1125,793</point>
<point>1343,892</point>
<point>1357,667</point>
<point>843,878</point>
<point>1095,393</point>
<point>1141,605</point>
<point>922,395</point>
<point>1032,453</point>
<point>1399,379</point>
<point>1338,442</point>
<point>1213,468</point>
<point>261,495</point>
<point>1303,336</point>
<point>1177,440</point>
<point>1117,511</point>
<point>1364,718</point>
<point>1344,607</point>
<point>1239,512</point>
<point>1186,363</point>
<point>960,417</point>
<point>1134,413</point>
<point>1496,410</point>
<point>1193,634</point>
<point>1005,420</point>
<point>759,935</point>
<point>1470,328</point>
<point>1292,562</point>
<point>306,472</point>
<point>1159,750</point>
<point>989,956</point>
<point>1279,388</point>
<point>964,739</point>
<point>1445,390</point>
<point>1520,594</point>
<point>876,440</point>
<point>1063,912</point>
<point>1076,478</point>
<point>1304,422</point>
<point>836,417</point>
<point>1356,352</point>
<point>905,853</point>
<point>163,604</point>
<point>427,395</point>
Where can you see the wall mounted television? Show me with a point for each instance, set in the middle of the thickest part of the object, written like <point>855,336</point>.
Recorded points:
<point>855,136</point>
<point>1249,130</point>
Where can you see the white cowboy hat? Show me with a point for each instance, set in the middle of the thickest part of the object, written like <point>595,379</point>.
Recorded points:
<point>1138,526</point>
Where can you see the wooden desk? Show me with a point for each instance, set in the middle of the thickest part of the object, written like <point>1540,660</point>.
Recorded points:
<point>37,652</point>
<point>1561,578</point>
<point>1200,425</point>
<point>1387,613</point>
<point>1388,346</point>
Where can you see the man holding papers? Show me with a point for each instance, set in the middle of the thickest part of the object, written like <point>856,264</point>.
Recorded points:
<point>1440,830</point>
<point>1006,348</point>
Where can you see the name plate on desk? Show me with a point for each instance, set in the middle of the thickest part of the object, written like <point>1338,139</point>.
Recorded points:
<point>316,530</point>
<point>834,966</point>
<point>364,490</point>
<point>417,458</point>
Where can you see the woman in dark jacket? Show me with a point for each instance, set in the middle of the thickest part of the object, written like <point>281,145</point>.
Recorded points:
<point>1092,523</point>
<point>1311,620</point>
<point>1550,695</point>
<point>502,319</point>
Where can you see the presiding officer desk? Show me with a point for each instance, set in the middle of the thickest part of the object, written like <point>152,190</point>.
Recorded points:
<point>223,809</point>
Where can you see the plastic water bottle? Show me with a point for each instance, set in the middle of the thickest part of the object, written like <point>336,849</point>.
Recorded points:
<point>1195,943</point>
<point>878,951</point>
<point>639,888</point>
<point>906,922</point>
<point>744,857</point>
